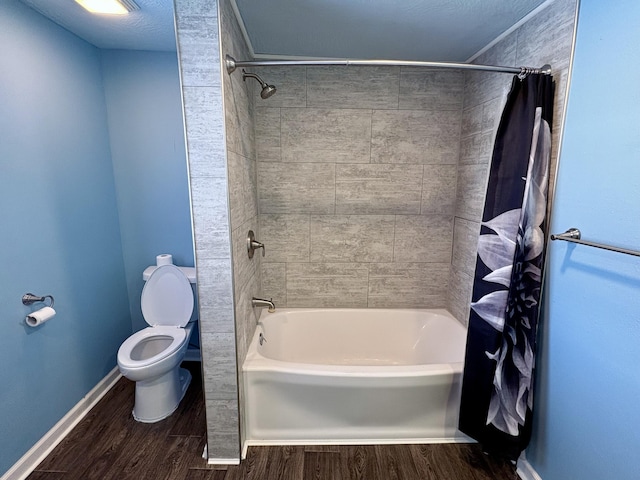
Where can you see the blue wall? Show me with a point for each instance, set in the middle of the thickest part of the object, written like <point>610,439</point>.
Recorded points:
<point>60,230</point>
<point>587,423</point>
<point>144,105</point>
<point>93,185</point>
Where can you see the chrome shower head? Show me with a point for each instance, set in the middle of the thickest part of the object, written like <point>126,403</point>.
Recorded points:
<point>267,90</point>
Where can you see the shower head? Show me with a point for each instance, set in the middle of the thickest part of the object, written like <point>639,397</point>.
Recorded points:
<point>267,90</point>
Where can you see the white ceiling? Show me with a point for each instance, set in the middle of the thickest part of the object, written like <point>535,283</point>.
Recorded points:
<point>150,28</point>
<point>432,30</point>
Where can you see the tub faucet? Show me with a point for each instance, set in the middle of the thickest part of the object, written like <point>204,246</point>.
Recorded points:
<point>261,302</point>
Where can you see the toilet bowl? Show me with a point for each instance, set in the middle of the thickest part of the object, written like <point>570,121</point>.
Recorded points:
<point>152,356</point>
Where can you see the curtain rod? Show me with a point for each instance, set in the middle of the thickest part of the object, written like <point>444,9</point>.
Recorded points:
<point>231,65</point>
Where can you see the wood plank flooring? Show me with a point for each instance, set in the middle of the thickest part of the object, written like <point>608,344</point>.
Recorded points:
<point>109,444</point>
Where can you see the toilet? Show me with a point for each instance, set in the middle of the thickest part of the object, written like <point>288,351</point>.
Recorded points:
<point>152,356</point>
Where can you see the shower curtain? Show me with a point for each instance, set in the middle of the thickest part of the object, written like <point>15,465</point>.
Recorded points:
<point>497,389</point>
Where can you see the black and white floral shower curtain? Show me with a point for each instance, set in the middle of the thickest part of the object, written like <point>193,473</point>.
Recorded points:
<point>497,389</point>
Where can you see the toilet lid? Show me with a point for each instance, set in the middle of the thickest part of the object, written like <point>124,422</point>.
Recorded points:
<point>167,298</point>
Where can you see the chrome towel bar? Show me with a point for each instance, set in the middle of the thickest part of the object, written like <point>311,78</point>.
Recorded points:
<point>574,235</point>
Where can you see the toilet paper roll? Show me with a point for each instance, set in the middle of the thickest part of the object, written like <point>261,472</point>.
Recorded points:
<point>40,316</point>
<point>164,259</point>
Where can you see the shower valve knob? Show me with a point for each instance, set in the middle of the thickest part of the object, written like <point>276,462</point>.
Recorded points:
<point>253,244</point>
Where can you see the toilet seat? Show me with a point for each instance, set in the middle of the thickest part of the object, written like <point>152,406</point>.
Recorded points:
<point>167,298</point>
<point>178,337</point>
<point>167,304</point>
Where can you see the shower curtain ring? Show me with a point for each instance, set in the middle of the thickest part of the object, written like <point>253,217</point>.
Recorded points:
<point>524,73</point>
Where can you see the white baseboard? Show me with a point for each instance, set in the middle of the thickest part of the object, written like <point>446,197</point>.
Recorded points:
<point>30,460</point>
<point>223,461</point>
<point>525,471</point>
<point>218,461</point>
<point>245,448</point>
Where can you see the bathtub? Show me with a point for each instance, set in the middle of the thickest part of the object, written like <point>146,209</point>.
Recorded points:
<point>353,376</point>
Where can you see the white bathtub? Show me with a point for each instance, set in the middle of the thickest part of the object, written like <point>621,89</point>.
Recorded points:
<point>354,376</point>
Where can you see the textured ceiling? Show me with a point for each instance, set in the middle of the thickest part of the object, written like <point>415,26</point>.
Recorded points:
<point>150,28</point>
<point>433,30</point>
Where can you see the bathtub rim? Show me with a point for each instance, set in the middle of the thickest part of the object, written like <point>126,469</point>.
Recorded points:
<point>255,361</point>
<point>351,371</point>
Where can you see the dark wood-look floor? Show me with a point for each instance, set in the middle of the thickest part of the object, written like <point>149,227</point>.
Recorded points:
<point>109,444</point>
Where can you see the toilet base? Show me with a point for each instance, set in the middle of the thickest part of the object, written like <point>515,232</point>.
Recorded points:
<point>158,398</point>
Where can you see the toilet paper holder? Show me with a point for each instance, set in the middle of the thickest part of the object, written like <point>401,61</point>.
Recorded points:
<point>30,298</point>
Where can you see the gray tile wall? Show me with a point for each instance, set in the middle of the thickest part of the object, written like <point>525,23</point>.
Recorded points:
<point>239,100</point>
<point>357,172</point>
<point>546,38</point>
<point>198,49</point>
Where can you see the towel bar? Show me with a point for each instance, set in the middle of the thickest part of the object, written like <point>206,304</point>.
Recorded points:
<point>574,235</point>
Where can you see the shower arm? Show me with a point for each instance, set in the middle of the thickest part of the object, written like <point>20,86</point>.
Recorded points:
<point>253,75</point>
<point>232,64</point>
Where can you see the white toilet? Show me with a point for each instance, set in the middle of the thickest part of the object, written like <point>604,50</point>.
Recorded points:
<point>152,356</point>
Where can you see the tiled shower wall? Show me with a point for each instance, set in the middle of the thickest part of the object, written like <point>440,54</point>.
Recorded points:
<point>546,38</point>
<point>243,204</point>
<point>371,180</point>
<point>198,50</point>
<point>357,175</point>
